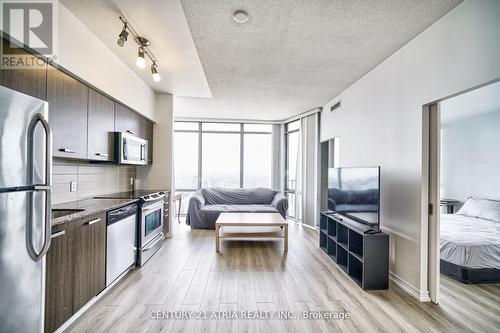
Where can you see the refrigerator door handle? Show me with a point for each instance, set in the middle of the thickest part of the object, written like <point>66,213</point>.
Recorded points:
<point>38,118</point>
<point>44,187</point>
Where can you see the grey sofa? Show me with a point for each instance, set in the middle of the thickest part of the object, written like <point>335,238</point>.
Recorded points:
<point>207,204</point>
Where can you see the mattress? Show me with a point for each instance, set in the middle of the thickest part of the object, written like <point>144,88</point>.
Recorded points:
<point>469,241</point>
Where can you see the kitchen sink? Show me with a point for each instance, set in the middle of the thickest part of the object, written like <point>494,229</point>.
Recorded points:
<point>63,212</point>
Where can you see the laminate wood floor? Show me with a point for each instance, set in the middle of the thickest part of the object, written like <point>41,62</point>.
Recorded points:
<point>187,275</point>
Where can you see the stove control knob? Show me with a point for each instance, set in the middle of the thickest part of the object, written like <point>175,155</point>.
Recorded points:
<point>146,197</point>
<point>161,193</point>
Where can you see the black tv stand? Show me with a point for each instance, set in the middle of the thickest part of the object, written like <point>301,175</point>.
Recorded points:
<point>360,251</point>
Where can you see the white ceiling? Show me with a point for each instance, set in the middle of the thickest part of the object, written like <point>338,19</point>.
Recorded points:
<point>292,56</point>
<point>164,24</point>
<point>474,103</point>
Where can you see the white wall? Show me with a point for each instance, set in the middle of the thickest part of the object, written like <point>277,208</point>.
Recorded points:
<point>159,174</point>
<point>310,136</point>
<point>82,53</point>
<point>469,158</point>
<point>380,121</point>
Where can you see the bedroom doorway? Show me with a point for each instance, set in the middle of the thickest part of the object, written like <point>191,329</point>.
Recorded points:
<point>463,189</point>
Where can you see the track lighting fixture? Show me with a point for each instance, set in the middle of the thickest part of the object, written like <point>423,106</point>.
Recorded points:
<point>141,61</point>
<point>143,50</point>
<point>154,71</point>
<point>122,37</point>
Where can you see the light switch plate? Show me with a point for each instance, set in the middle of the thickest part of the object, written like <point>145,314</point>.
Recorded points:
<point>131,180</point>
<point>72,186</point>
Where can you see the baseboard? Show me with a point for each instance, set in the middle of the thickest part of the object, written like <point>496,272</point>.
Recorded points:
<point>308,226</point>
<point>422,296</point>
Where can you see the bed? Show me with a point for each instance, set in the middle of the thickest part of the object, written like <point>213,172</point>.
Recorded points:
<point>470,242</point>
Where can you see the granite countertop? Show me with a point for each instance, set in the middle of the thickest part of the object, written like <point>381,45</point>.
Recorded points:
<point>93,206</point>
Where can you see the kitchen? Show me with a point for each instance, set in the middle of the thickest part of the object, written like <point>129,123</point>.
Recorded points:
<point>78,210</point>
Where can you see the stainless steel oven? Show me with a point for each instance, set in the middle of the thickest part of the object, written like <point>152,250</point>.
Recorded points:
<point>130,149</point>
<point>151,226</point>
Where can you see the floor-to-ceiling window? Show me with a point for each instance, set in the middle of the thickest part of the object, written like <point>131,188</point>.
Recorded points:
<point>257,149</point>
<point>186,159</point>
<point>208,154</point>
<point>293,166</point>
<point>220,155</point>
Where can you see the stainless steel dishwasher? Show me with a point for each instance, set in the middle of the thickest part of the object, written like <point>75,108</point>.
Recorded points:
<point>121,241</point>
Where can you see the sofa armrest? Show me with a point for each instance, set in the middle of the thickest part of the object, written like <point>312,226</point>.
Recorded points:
<point>280,202</point>
<point>197,200</point>
<point>196,204</point>
<point>331,204</point>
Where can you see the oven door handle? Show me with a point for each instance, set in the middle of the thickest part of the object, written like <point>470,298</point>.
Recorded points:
<point>155,241</point>
<point>146,209</point>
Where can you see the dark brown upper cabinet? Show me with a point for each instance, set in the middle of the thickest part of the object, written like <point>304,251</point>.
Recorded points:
<point>59,277</point>
<point>90,259</point>
<point>67,99</point>
<point>101,124</point>
<point>147,130</point>
<point>128,121</point>
<point>30,79</point>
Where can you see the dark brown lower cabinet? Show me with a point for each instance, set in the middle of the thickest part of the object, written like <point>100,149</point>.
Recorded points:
<point>90,259</point>
<point>76,268</point>
<point>59,278</point>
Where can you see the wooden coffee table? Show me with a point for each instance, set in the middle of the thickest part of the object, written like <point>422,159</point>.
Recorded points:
<point>251,225</point>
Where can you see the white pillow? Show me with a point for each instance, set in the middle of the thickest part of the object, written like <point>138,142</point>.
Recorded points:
<point>481,208</point>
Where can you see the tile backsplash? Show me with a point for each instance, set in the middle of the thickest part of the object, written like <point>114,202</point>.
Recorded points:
<point>90,179</point>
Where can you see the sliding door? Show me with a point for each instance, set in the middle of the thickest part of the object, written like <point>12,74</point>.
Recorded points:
<point>293,169</point>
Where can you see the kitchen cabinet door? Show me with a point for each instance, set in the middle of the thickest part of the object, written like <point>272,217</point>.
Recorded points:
<point>29,76</point>
<point>67,99</point>
<point>148,135</point>
<point>59,278</point>
<point>128,121</point>
<point>90,259</point>
<point>101,124</point>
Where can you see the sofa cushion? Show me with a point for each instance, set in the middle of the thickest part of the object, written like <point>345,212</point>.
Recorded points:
<point>238,196</point>
<point>240,208</point>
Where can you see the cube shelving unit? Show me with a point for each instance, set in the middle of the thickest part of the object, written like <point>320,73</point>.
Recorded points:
<point>362,255</point>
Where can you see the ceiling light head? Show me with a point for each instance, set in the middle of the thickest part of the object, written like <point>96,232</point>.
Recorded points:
<point>141,60</point>
<point>143,41</point>
<point>240,16</point>
<point>122,37</point>
<point>154,71</point>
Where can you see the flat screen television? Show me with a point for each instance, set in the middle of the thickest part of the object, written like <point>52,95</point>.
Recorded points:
<point>355,193</point>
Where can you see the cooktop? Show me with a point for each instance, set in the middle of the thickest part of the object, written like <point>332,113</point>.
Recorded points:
<point>130,195</point>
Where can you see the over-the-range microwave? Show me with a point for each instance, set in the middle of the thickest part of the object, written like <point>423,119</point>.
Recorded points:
<point>130,149</point>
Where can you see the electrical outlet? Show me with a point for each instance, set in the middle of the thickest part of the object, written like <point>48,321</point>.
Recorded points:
<point>72,186</point>
<point>131,181</point>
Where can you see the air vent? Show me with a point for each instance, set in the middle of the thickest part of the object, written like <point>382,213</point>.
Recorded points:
<point>336,106</point>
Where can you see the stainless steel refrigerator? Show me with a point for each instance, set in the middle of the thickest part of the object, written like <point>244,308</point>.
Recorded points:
<point>25,179</point>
